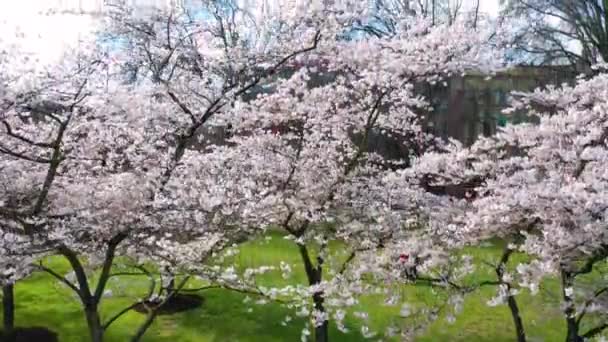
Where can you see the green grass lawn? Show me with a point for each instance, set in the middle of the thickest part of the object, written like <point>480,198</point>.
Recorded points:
<point>40,301</point>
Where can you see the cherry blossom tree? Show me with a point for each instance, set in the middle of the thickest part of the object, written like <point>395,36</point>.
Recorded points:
<point>299,159</point>
<point>29,154</point>
<point>112,173</point>
<point>542,190</point>
<point>117,162</point>
<point>453,177</point>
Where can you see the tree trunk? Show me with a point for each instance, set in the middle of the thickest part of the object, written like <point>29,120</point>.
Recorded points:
<point>314,275</point>
<point>519,325</point>
<point>170,286</point>
<point>513,307</point>
<point>94,323</point>
<point>144,327</point>
<point>152,314</point>
<point>8,308</point>
<point>572,334</point>
<point>322,331</point>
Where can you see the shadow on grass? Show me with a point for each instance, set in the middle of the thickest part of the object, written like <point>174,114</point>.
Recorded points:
<point>178,303</point>
<point>29,334</point>
<point>224,317</point>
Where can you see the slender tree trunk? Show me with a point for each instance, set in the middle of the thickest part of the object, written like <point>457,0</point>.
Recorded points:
<point>171,285</point>
<point>152,314</point>
<point>144,327</point>
<point>322,331</point>
<point>517,321</point>
<point>8,308</point>
<point>314,275</point>
<point>91,299</point>
<point>572,333</point>
<point>94,323</point>
<point>476,14</point>
<point>520,332</point>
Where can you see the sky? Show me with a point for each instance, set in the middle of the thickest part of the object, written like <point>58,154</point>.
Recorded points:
<point>46,36</point>
<point>485,6</point>
<point>49,36</point>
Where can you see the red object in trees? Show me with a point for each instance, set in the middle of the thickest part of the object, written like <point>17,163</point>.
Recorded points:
<point>403,258</point>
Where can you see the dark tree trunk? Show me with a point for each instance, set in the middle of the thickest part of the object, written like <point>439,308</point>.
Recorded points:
<point>520,332</point>
<point>314,275</point>
<point>139,334</point>
<point>94,323</point>
<point>144,327</point>
<point>91,299</point>
<point>519,325</point>
<point>8,308</point>
<point>322,331</point>
<point>572,333</point>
